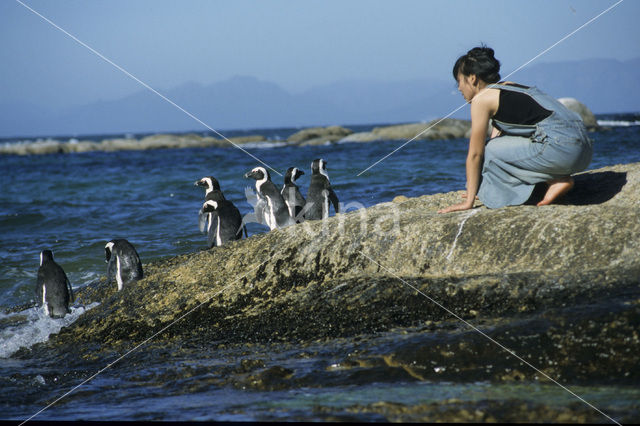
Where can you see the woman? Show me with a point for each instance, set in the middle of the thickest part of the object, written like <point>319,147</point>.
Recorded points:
<point>534,139</point>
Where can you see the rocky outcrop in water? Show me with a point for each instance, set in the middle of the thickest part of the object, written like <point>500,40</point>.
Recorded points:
<point>363,271</point>
<point>506,299</point>
<point>158,141</point>
<point>440,129</point>
<point>437,129</point>
<point>585,113</point>
<point>319,135</point>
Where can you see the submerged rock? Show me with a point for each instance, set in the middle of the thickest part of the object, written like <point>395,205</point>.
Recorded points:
<point>385,266</point>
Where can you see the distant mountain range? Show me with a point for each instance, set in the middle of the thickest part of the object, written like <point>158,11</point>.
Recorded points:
<point>604,85</point>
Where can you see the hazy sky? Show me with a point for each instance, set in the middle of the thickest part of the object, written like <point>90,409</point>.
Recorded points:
<point>296,44</point>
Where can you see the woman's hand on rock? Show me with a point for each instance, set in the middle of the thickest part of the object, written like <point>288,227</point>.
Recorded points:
<point>457,207</point>
<point>464,195</point>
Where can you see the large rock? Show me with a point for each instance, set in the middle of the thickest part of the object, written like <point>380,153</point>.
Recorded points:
<point>360,137</point>
<point>319,135</point>
<point>585,113</point>
<point>448,128</point>
<point>434,130</point>
<point>361,272</point>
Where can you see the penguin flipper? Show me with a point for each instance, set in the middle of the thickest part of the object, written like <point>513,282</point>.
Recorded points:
<point>252,197</point>
<point>202,220</point>
<point>334,200</point>
<point>71,296</point>
<point>259,205</point>
<point>260,209</point>
<point>39,285</point>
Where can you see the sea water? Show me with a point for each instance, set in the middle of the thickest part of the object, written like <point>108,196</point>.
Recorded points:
<point>73,204</point>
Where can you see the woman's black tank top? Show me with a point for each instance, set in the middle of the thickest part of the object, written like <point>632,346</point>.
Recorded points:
<point>518,108</point>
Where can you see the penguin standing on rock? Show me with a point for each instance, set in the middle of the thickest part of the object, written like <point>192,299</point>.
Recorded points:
<point>228,224</point>
<point>209,219</point>
<point>291,193</point>
<point>320,193</point>
<point>53,289</point>
<point>212,192</point>
<point>270,208</point>
<point>123,262</point>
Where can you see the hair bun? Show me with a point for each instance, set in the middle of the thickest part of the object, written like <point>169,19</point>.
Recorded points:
<point>481,51</point>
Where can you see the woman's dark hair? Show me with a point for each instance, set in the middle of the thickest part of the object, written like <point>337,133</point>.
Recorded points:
<point>479,61</point>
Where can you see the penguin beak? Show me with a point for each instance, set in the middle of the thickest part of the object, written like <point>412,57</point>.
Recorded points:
<point>248,175</point>
<point>198,183</point>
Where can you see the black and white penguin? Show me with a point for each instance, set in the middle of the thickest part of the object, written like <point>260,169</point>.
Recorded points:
<point>123,262</point>
<point>270,208</point>
<point>227,225</point>
<point>291,193</point>
<point>53,289</point>
<point>208,221</point>
<point>320,193</point>
<point>212,192</point>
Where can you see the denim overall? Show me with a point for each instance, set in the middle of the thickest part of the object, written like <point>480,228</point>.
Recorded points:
<point>524,155</point>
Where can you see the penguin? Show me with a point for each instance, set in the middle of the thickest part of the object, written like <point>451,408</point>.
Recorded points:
<point>212,192</point>
<point>53,289</point>
<point>291,193</point>
<point>320,193</point>
<point>123,262</point>
<point>270,208</point>
<point>227,225</point>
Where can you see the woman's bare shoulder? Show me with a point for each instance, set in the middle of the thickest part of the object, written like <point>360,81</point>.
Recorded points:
<point>487,100</point>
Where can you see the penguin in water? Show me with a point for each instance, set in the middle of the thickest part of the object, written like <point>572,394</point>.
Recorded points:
<point>270,208</point>
<point>228,222</point>
<point>209,219</point>
<point>53,289</point>
<point>291,193</point>
<point>320,193</point>
<point>123,262</point>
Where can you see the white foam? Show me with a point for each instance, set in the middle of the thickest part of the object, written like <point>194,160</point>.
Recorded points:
<point>618,123</point>
<point>26,328</point>
<point>263,145</point>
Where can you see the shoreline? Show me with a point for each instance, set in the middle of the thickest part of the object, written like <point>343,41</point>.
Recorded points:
<point>438,129</point>
<point>333,303</point>
<point>433,130</point>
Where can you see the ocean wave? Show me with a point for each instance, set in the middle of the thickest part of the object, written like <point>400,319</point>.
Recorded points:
<point>26,328</point>
<point>263,145</point>
<point>618,123</point>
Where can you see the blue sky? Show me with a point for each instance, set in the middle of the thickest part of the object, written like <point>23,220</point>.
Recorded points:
<point>296,44</point>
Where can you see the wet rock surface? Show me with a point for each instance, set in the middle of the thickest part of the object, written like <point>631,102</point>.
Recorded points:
<point>397,293</point>
<point>361,271</point>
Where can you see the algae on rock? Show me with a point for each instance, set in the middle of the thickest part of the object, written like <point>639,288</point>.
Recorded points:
<point>359,272</point>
